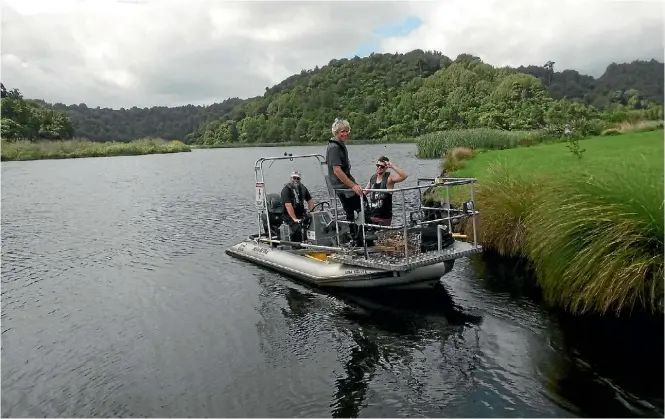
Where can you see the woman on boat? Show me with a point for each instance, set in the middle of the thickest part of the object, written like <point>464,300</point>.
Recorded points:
<point>381,204</point>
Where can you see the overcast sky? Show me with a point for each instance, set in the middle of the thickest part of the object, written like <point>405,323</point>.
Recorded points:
<point>123,53</point>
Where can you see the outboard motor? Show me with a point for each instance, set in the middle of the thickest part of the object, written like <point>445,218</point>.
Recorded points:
<point>429,236</point>
<point>275,214</point>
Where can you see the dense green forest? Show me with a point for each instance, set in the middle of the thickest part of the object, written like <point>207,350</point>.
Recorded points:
<point>28,119</point>
<point>384,96</point>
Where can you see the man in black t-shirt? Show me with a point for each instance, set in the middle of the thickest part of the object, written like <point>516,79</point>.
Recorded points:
<point>339,174</point>
<point>294,195</point>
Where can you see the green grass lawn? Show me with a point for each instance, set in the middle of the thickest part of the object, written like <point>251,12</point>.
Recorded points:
<point>640,151</point>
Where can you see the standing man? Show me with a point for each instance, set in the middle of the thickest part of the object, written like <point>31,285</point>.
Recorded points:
<point>294,195</point>
<point>339,173</point>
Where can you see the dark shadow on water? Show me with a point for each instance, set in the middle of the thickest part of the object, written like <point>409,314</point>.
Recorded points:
<point>396,314</point>
<point>623,357</point>
<point>507,274</point>
<point>609,366</point>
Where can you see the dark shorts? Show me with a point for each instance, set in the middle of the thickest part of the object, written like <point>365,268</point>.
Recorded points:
<point>350,204</point>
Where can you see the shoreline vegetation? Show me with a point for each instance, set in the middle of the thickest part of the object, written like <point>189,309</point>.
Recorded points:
<point>24,150</point>
<point>587,216</point>
<point>432,145</point>
<point>303,144</point>
<point>71,149</point>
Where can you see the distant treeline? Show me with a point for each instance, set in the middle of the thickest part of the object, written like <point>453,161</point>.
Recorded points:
<point>384,96</point>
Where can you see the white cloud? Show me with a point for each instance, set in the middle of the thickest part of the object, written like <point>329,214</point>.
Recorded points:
<point>582,35</point>
<point>172,52</point>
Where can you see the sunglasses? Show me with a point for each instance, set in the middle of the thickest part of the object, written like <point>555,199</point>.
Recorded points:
<point>295,178</point>
<point>381,165</point>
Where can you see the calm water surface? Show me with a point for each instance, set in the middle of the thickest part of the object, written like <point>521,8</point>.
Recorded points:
<point>118,300</point>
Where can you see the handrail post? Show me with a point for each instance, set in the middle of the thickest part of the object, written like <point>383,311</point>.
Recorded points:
<point>362,225</point>
<point>258,213</point>
<point>473,217</point>
<point>336,223</point>
<point>450,224</point>
<point>406,230</point>
<point>265,201</point>
<point>439,229</point>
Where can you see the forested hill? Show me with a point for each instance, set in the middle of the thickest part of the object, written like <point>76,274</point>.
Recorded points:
<point>646,77</point>
<point>173,123</point>
<point>391,96</point>
<point>385,96</point>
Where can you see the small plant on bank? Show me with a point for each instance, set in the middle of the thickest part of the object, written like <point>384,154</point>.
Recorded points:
<point>573,145</point>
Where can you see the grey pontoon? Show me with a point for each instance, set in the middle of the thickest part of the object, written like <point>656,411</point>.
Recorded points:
<point>413,255</point>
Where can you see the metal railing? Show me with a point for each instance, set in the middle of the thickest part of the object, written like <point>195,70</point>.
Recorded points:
<point>261,203</point>
<point>433,182</point>
<point>260,198</point>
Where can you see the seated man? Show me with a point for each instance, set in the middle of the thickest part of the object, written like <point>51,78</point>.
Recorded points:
<point>294,195</point>
<point>381,204</point>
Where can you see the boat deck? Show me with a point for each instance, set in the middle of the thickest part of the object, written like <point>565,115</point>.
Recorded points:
<point>391,263</point>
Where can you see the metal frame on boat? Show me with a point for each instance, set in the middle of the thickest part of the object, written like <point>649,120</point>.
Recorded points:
<point>326,258</point>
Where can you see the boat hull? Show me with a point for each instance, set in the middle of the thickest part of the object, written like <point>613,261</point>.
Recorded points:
<point>326,274</point>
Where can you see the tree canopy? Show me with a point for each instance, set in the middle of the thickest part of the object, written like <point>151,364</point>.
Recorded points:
<point>384,96</point>
<point>27,119</point>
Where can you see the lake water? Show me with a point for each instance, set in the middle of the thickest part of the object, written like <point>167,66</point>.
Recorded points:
<point>118,300</point>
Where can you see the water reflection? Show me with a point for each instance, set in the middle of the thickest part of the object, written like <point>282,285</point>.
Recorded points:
<point>370,334</point>
<point>379,315</point>
<point>360,368</point>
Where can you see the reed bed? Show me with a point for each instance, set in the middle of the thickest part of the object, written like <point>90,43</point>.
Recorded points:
<point>27,150</point>
<point>435,145</point>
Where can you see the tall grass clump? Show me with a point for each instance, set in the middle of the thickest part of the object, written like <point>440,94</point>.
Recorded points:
<point>627,127</point>
<point>27,150</point>
<point>435,145</point>
<point>597,243</point>
<point>506,200</point>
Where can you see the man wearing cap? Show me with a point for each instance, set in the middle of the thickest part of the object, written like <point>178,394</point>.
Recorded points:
<point>294,195</point>
<point>381,204</point>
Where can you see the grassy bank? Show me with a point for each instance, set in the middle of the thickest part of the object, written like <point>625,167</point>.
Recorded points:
<point>26,150</point>
<point>435,145</point>
<point>591,226</point>
<point>300,144</point>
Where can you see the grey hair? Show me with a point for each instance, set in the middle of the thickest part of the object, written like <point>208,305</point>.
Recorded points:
<point>339,124</point>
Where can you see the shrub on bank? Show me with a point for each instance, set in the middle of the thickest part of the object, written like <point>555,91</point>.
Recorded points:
<point>27,150</point>
<point>454,159</point>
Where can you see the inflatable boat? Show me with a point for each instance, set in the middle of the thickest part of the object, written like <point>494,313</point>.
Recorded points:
<point>413,255</point>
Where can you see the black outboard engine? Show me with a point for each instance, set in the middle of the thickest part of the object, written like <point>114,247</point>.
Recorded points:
<point>275,214</point>
<point>430,236</point>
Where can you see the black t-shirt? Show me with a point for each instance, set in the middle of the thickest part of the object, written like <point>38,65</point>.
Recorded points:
<point>296,196</point>
<point>337,155</point>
